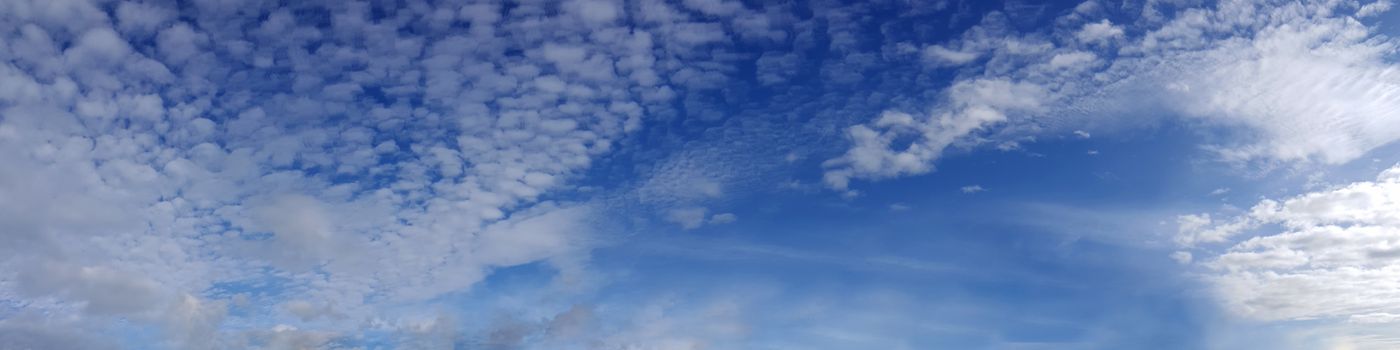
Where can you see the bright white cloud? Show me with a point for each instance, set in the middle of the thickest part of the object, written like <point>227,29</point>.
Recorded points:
<point>1072,60</point>
<point>1319,91</point>
<point>1100,31</point>
<point>1332,254</point>
<point>1298,81</point>
<point>940,55</point>
<point>973,105</point>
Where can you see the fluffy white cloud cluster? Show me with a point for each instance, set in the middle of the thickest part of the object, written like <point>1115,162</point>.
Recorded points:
<point>976,103</point>
<point>1330,254</point>
<point>353,154</point>
<point>1300,81</point>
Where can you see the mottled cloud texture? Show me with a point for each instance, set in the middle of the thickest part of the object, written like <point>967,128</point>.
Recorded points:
<point>331,174</point>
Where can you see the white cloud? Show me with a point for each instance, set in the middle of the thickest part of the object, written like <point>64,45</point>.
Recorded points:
<point>1097,32</point>
<point>596,11</point>
<point>297,219</point>
<point>1376,317</point>
<point>179,42</point>
<point>154,160</point>
<point>1332,254</point>
<point>972,189</point>
<point>1374,8</point>
<point>1309,84</point>
<point>100,289</point>
<point>29,334</point>
<point>723,218</point>
<point>714,7</point>
<point>1072,60</point>
<point>688,218</point>
<point>972,105</point>
<point>1312,92</point>
<point>533,235</point>
<point>98,47</point>
<point>141,18</point>
<point>943,56</point>
<point>308,311</point>
<point>1182,257</point>
<point>193,323</point>
<point>165,154</point>
<point>1201,228</point>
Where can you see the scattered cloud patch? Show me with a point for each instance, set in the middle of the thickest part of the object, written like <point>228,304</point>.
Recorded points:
<point>687,218</point>
<point>1183,258</point>
<point>723,218</point>
<point>1099,32</point>
<point>349,160</point>
<point>942,56</point>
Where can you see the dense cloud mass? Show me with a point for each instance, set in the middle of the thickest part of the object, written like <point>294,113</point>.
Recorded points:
<point>292,175</point>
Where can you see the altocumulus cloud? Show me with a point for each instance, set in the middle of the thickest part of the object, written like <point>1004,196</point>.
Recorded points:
<point>265,174</point>
<point>357,154</point>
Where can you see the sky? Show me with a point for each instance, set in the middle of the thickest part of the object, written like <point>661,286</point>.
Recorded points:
<point>699,174</point>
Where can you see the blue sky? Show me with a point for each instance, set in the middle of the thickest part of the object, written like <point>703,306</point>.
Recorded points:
<point>699,174</point>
